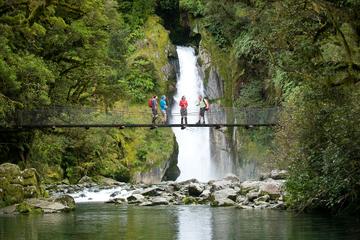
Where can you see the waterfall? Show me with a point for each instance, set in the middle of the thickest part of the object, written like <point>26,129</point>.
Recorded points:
<point>194,159</point>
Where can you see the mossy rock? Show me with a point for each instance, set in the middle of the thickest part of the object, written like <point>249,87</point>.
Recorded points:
<point>67,201</point>
<point>9,170</point>
<point>26,208</point>
<point>31,192</point>
<point>14,193</point>
<point>189,200</point>
<point>4,183</point>
<point>30,177</point>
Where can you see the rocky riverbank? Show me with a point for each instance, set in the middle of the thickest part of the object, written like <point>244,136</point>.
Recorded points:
<point>229,191</point>
<point>23,192</point>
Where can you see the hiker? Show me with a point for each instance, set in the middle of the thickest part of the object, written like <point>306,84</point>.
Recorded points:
<point>154,108</point>
<point>183,111</point>
<point>203,106</point>
<point>163,108</point>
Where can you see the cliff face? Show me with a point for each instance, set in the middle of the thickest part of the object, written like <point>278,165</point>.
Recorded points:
<point>226,142</point>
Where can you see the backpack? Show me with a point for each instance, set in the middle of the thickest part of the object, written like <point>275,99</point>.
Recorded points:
<point>150,103</point>
<point>207,106</point>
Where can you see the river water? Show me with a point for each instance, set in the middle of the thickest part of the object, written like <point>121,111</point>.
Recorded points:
<point>108,221</point>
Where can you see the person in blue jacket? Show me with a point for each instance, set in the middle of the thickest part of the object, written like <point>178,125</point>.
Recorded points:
<point>163,108</point>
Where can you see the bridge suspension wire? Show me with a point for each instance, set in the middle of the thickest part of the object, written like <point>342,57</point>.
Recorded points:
<point>59,116</point>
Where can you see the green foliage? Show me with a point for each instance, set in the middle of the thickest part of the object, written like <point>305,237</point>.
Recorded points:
<point>305,56</point>
<point>81,53</point>
<point>319,137</point>
<point>248,47</point>
<point>140,82</point>
<point>136,11</point>
<point>250,95</point>
<point>195,7</point>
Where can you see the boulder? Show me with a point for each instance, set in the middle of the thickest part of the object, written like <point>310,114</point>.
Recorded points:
<point>261,205</point>
<point>252,195</point>
<point>279,174</point>
<point>241,199</point>
<point>248,186</point>
<point>186,182</point>
<point>47,206</point>
<point>219,184</point>
<point>24,207</point>
<point>242,206</point>
<point>17,185</point>
<point>35,205</point>
<point>205,194</point>
<point>189,200</point>
<point>224,197</point>
<point>8,210</point>
<point>85,180</point>
<point>271,188</point>
<point>66,200</point>
<point>231,177</point>
<point>195,189</point>
<point>9,170</point>
<point>264,198</point>
<point>31,192</point>
<point>145,204</point>
<point>159,201</point>
<point>280,205</point>
<point>135,198</point>
<point>264,175</point>
<point>30,177</point>
<point>151,191</point>
<point>14,193</point>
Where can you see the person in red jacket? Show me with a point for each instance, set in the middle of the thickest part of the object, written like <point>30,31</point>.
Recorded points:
<point>183,111</point>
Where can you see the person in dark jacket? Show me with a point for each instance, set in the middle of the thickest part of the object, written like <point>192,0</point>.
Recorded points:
<point>154,108</point>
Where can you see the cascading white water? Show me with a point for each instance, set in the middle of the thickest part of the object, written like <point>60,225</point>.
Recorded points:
<point>194,146</point>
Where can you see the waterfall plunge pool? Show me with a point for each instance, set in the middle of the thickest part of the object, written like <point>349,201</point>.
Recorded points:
<point>108,221</point>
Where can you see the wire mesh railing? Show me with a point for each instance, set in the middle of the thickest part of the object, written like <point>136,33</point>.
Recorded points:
<point>92,116</point>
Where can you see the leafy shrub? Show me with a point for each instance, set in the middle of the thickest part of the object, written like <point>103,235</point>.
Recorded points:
<point>319,137</point>
<point>196,7</point>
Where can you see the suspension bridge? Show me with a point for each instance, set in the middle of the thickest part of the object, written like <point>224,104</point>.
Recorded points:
<point>82,117</point>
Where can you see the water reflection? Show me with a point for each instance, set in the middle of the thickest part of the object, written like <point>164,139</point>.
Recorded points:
<point>194,222</point>
<point>105,221</point>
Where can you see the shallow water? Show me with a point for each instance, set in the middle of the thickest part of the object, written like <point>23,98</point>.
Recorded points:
<point>107,221</point>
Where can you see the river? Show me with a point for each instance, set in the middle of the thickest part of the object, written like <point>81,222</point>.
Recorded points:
<point>108,221</point>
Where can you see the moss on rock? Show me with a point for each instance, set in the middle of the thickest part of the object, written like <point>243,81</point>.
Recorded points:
<point>14,193</point>
<point>26,208</point>
<point>9,170</point>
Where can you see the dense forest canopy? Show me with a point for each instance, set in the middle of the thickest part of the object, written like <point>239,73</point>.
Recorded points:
<point>82,53</point>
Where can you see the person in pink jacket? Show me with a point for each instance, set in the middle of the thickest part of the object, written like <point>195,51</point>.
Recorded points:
<point>183,111</point>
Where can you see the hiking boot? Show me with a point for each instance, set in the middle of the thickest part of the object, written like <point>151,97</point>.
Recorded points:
<point>183,127</point>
